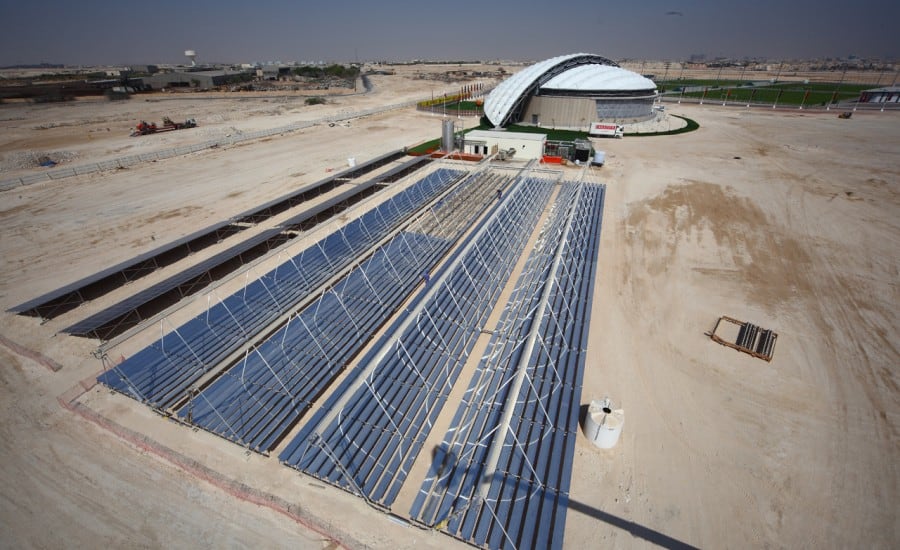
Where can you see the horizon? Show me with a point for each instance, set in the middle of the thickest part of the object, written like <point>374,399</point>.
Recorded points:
<point>109,34</point>
<point>215,64</point>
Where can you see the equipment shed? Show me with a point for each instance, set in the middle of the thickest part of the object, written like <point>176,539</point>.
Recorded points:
<point>487,142</point>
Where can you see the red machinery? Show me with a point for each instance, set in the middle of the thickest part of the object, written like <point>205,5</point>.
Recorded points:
<point>143,128</point>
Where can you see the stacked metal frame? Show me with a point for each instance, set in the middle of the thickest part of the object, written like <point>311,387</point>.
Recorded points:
<point>163,373</point>
<point>520,501</point>
<point>370,431</point>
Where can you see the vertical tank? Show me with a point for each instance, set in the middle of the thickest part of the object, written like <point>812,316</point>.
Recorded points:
<point>603,425</point>
<point>447,136</point>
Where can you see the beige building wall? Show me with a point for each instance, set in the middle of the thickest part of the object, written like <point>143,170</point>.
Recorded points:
<point>575,113</point>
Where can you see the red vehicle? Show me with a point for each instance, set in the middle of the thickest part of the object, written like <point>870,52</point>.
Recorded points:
<point>143,128</point>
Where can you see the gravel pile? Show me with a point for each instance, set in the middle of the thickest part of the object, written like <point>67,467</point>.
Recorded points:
<point>24,160</point>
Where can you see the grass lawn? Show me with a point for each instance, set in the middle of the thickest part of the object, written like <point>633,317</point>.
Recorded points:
<point>784,93</point>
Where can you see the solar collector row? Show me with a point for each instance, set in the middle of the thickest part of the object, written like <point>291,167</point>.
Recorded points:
<point>161,373</point>
<point>528,495</point>
<point>133,310</point>
<point>68,297</point>
<point>255,402</point>
<point>378,435</point>
<point>457,467</point>
<point>535,484</point>
<point>549,425</point>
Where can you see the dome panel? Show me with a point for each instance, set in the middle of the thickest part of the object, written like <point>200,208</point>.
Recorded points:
<point>603,78</point>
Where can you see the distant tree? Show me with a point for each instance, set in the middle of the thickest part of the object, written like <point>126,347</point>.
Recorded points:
<point>308,71</point>
<point>315,100</point>
<point>333,70</point>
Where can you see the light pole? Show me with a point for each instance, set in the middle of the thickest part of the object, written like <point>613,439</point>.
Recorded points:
<point>834,95</point>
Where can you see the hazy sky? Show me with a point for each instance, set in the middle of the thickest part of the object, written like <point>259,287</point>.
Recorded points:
<point>158,31</point>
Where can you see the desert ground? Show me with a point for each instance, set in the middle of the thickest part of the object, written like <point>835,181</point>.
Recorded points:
<point>786,218</point>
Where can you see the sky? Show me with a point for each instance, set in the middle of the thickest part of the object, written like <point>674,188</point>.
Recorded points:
<point>104,32</point>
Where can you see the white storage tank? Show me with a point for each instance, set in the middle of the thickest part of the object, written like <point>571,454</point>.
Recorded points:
<point>603,425</point>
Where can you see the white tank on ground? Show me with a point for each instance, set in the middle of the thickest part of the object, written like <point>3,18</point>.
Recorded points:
<point>603,425</point>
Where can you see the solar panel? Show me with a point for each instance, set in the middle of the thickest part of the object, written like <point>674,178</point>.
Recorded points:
<point>68,297</point>
<point>163,373</point>
<point>366,436</point>
<point>527,490</point>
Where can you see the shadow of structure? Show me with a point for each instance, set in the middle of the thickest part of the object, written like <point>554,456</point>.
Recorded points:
<point>636,529</point>
<point>448,468</point>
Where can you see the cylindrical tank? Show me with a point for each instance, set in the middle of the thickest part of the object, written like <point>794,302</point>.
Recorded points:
<point>447,136</point>
<point>351,162</point>
<point>603,425</point>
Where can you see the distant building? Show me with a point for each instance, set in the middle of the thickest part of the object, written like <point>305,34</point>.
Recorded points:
<point>145,69</point>
<point>571,92</point>
<point>202,80</point>
<point>890,94</point>
<point>273,72</point>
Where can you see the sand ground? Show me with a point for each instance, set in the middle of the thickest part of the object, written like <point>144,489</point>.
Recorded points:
<point>790,220</point>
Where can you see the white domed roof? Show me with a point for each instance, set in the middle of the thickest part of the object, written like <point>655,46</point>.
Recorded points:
<point>586,78</point>
<point>579,71</point>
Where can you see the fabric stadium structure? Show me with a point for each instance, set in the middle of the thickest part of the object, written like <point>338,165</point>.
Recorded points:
<point>571,91</point>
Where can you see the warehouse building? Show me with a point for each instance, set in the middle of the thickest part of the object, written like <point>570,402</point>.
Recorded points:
<point>202,80</point>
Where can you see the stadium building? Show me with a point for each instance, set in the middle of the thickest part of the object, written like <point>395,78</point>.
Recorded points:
<point>571,92</point>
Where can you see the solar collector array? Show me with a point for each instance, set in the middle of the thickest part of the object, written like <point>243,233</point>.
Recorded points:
<point>378,434</point>
<point>255,402</point>
<point>254,405</point>
<point>128,312</point>
<point>161,373</point>
<point>456,469</point>
<point>528,494</point>
<point>68,297</point>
